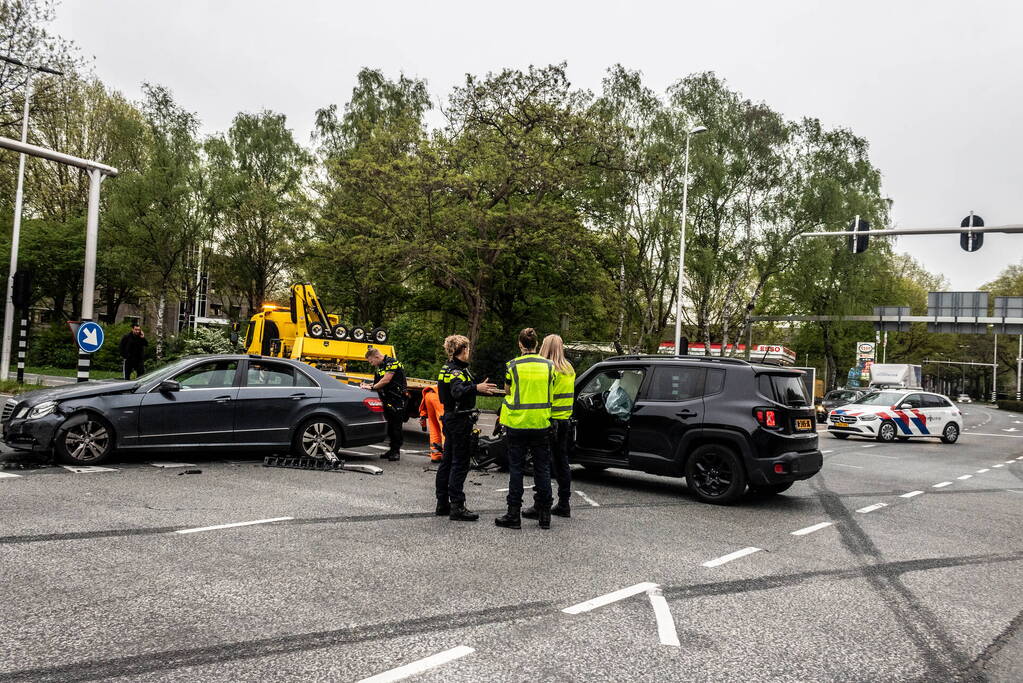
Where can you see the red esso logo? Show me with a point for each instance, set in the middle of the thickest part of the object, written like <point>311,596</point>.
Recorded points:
<point>864,348</point>
<point>770,349</point>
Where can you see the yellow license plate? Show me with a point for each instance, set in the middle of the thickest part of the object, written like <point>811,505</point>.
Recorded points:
<point>841,424</point>
<point>804,424</point>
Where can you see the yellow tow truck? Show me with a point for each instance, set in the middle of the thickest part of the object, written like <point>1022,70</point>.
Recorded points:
<point>304,331</point>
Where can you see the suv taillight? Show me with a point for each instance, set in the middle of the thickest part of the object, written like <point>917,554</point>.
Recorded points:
<point>375,405</point>
<point>767,417</point>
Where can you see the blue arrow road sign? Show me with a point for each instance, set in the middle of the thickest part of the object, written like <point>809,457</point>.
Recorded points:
<point>89,337</point>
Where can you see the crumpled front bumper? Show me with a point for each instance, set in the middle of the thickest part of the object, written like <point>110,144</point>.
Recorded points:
<point>31,435</point>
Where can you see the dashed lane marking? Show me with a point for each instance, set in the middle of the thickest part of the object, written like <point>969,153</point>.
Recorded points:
<point>420,665</point>
<point>8,475</point>
<point>999,465</point>
<point>718,561</point>
<point>587,499</point>
<point>871,508</point>
<point>870,445</point>
<point>1007,436</point>
<point>911,494</point>
<point>810,529</point>
<point>665,623</point>
<point>878,455</point>
<point>1009,462</point>
<point>87,469</point>
<point>941,484</point>
<point>159,463</point>
<point>965,476</point>
<point>982,471</point>
<point>842,464</point>
<point>826,452</point>
<point>232,525</point>
<point>609,598</point>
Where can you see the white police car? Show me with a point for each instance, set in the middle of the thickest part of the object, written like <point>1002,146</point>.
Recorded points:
<point>900,414</point>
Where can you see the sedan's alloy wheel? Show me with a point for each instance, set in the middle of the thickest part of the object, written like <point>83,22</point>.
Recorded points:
<point>87,441</point>
<point>319,439</point>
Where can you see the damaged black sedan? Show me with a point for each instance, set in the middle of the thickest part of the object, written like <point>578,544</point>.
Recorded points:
<point>227,402</point>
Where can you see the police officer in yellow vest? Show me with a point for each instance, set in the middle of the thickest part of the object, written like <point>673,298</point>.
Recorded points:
<point>553,349</point>
<point>526,416</point>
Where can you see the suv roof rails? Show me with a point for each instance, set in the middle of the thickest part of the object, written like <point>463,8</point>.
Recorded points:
<point>661,356</point>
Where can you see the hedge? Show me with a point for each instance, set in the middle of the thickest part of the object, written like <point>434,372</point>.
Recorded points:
<point>1015,406</point>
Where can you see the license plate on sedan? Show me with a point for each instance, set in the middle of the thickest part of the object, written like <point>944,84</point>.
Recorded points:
<point>804,424</point>
<point>841,424</point>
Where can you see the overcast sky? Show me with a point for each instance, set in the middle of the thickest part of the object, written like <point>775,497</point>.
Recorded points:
<point>936,87</point>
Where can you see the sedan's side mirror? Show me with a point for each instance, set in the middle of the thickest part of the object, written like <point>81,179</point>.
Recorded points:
<point>167,386</point>
<point>906,406</point>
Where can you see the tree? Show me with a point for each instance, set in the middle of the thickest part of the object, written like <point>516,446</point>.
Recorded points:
<point>256,175</point>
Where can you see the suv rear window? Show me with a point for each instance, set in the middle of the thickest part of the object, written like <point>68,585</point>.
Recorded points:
<point>786,389</point>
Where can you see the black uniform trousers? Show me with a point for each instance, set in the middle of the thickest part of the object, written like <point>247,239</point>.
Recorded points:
<point>136,365</point>
<point>561,441</point>
<point>537,442</point>
<point>395,417</point>
<point>454,466</point>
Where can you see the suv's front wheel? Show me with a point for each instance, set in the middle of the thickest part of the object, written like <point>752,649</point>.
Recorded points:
<point>715,474</point>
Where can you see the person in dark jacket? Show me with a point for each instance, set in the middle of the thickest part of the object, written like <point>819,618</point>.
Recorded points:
<point>458,390</point>
<point>133,351</point>
<point>390,384</point>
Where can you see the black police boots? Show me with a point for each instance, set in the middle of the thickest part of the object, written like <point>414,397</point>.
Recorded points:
<point>510,520</point>
<point>562,509</point>
<point>544,515</point>
<point>443,508</point>
<point>460,513</point>
<point>531,513</point>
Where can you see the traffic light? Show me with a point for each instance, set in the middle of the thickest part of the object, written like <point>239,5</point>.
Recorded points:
<point>859,243</point>
<point>22,293</point>
<point>971,241</point>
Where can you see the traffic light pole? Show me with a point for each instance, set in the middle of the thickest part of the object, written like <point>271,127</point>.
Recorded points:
<point>1019,370</point>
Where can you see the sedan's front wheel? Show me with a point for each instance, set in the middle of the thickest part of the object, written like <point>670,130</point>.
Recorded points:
<point>84,440</point>
<point>317,438</point>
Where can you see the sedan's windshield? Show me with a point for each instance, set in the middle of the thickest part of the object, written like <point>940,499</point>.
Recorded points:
<point>164,370</point>
<point>882,398</point>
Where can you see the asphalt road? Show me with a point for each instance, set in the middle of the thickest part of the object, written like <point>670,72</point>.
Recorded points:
<point>356,577</point>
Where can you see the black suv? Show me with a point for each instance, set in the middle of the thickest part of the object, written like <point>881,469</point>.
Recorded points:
<point>722,423</point>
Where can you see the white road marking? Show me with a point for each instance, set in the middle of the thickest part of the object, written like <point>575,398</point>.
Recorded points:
<point>587,499</point>
<point>911,494</point>
<point>878,455</point>
<point>1014,490</point>
<point>379,447</point>
<point>982,471</point>
<point>842,464</point>
<point>87,469</point>
<point>1009,462</point>
<point>810,529</point>
<point>998,465</point>
<point>500,489</point>
<point>870,445</point>
<point>1006,436</point>
<point>609,598</point>
<point>420,665</point>
<point>941,485</point>
<point>233,524</point>
<point>665,624</point>
<point>826,452</point>
<point>871,508</point>
<point>718,561</point>
<point>8,475</point>
<point>172,464</point>
<point>965,476</point>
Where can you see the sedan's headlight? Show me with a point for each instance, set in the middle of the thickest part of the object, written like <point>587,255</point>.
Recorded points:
<point>41,410</point>
<point>868,418</point>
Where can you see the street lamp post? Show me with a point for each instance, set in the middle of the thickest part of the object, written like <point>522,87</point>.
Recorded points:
<point>9,312</point>
<point>682,245</point>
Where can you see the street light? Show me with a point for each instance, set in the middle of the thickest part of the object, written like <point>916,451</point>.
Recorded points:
<point>682,246</point>
<point>5,355</point>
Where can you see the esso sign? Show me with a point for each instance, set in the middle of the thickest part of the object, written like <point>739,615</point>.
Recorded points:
<point>769,349</point>
<point>866,348</point>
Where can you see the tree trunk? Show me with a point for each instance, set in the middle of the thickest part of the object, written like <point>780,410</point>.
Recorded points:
<point>830,360</point>
<point>159,325</point>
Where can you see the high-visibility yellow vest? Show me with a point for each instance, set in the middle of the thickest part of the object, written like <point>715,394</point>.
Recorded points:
<point>564,394</point>
<point>530,380</point>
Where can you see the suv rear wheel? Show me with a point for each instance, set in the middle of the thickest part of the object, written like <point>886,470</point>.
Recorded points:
<point>715,474</point>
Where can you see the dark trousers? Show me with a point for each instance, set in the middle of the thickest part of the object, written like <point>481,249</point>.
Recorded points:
<point>561,442</point>
<point>136,365</point>
<point>395,416</point>
<point>454,466</point>
<point>537,442</point>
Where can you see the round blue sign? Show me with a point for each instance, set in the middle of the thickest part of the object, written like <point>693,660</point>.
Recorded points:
<point>89,337</point>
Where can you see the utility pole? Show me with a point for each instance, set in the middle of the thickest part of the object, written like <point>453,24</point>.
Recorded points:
<point>682,244</point>
<point>994,373</point>
<point>1019,370</point>
<point>19,197</point>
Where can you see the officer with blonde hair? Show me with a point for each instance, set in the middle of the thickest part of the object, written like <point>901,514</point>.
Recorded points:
<point>553,349</point>
<point>458,391</point>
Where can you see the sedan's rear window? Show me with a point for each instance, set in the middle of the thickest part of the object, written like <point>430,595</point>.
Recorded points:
<point>786,389</point>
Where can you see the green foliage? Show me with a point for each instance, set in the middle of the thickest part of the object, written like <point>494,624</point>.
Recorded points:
<point>207,340</point>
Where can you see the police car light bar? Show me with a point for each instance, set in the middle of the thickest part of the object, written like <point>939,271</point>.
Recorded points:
<point>1018,227</point>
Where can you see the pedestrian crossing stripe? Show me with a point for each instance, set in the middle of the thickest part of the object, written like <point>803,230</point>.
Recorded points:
<point>87,469</point>
<point>8,475</point>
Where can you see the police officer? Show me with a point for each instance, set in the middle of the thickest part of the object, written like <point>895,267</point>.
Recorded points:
<point>553,349</point>
<point>526,416</point>
<point>390,384</point>
<point>458,391</point>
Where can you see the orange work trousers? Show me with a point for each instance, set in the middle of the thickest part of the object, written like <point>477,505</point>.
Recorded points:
<point>432,409</point>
